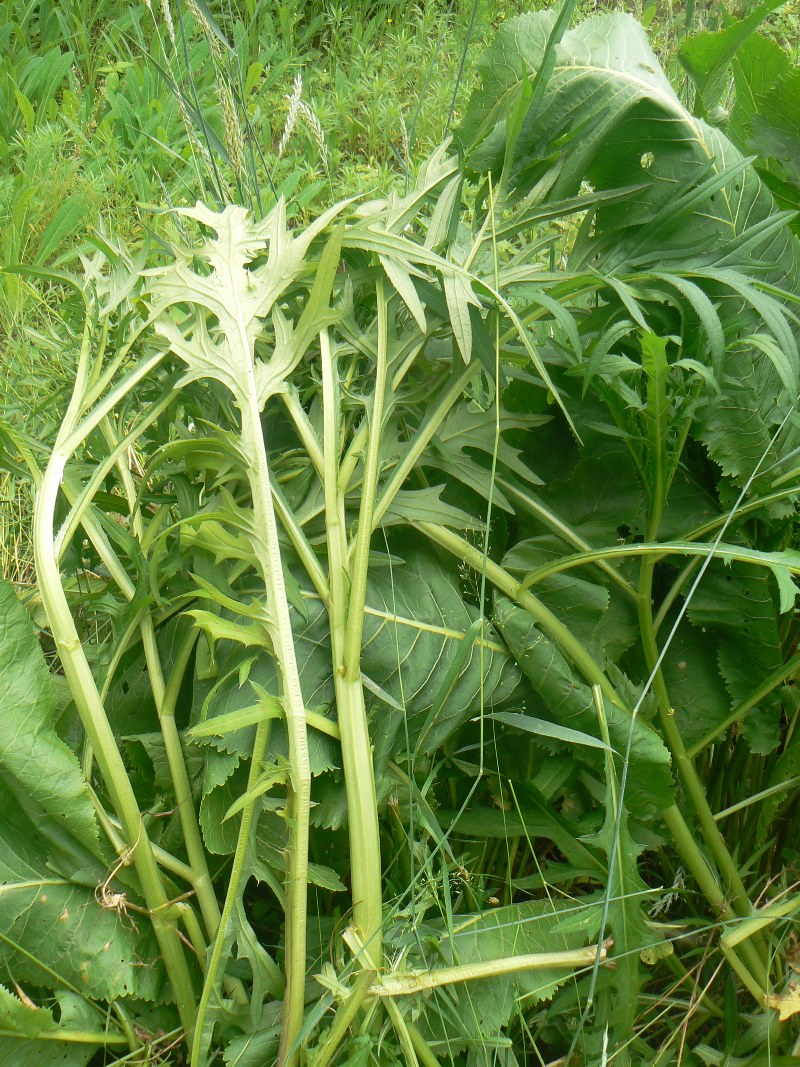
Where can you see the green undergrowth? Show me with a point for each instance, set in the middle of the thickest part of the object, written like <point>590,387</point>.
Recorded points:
<point>406,667</point>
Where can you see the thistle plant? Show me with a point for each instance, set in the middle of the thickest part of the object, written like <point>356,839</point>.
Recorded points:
<point>494,776</point>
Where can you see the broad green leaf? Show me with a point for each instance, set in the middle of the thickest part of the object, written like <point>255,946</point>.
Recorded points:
<point>469,1014</point>
<point>535,818</point>
<point>694,683</point>
<point>602,499</point>
<point>37,769</point>
<point>736,604</point>
<point>570,702</point>
<point>610,118</point>
<point>55,932</point>
<point>579,602</point>
<point>261,1045</point>
<point>467,440</point>
<point>410,506</point>
<point>415,621</point>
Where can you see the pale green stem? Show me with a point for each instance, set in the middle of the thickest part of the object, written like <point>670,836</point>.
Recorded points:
<point>672,735</point>
<point>304,428</point>
<point>184,801</point>
<point>502,580</point>
<point>80,431</point>
<point>345,1014</point>
<point>355,450</point>
<point>83,501</point>
<point>299,793</point>
<point>660,551</point>
<point>404,985</point>
<point>99,540</point>
<point>187,916</point>
<point>745,509</point>
<point>422,437</point>
<point>214,958</point>
<point>346,621</point>
<point>403,1036</point>
<point>563,530</point>
<point>165,698</point>
<point>92,712</point>
<point>308,556</point>
<point>109,370</point>
<point>695,791</point>
<point>673,593</point>
<point>165,859</point>
<point>72,1037</point>
<point>506,583</point>
<point>423,1050</point>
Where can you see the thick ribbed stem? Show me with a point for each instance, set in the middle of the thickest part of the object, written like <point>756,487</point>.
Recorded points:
<point>346,618</point>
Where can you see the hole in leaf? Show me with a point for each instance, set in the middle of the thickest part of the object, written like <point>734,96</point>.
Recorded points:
<point>647,160</point>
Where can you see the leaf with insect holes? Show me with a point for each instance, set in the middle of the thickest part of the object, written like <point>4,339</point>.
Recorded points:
<point>36,1042</point>
<point>54,930</point>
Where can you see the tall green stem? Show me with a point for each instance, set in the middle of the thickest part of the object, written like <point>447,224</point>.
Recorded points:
<point>214,958</point>
<point>165,697</point>
<point>346,615</point>
<point>735,900</point>
<point>502,580</point>
<point>299,799</point>
<point>672,736</point>
<point>93,715</point>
